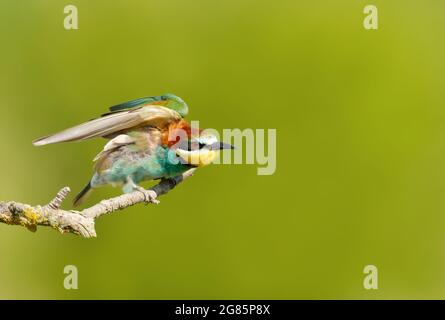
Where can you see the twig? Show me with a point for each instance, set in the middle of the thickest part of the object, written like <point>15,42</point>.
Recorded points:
<point>77,222</point>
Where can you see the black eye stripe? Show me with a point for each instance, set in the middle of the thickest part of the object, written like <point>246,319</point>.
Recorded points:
<point>195,145</point>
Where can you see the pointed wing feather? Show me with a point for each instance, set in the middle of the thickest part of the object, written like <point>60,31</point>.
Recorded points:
<point>117,122</point>
<point>117,142</point>
<point>133,103</point>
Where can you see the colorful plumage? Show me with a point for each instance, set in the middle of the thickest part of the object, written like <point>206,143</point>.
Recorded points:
<point>149,139</point>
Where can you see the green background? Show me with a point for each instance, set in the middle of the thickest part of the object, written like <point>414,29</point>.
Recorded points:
<point>360,122</point>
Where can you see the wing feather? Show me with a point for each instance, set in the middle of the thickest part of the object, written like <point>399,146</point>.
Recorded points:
<point>112,123</point>
<point>119,141</point>
<point>144,140</point>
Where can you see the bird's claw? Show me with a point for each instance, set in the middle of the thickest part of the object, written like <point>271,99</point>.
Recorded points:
<point>149,195</point>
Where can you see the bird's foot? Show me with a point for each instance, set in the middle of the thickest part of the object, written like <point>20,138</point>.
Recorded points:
<point>149,195</point>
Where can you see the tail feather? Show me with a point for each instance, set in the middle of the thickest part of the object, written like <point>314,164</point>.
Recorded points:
<point>80,198</point>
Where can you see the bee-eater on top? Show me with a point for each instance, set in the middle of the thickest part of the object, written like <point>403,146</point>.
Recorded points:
<point>149,139</point>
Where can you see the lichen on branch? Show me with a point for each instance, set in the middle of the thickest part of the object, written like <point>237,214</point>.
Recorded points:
<point>78,222</point>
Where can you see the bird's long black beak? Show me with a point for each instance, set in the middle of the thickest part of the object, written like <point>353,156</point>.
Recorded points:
<point>221,146</point>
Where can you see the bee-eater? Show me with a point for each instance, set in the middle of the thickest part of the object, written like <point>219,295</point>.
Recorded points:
<point>149,139</point>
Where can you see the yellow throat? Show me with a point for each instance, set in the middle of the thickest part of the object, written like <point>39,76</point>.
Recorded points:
<point>199,158</point>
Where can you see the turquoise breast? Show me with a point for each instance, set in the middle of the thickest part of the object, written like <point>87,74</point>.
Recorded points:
<point>162,163</point>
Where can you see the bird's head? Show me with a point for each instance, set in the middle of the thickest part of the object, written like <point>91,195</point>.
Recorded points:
<point>201,150</point>
<point>173,102</point>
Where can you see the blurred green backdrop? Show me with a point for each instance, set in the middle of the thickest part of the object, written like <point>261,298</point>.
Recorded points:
<point>360,119</point>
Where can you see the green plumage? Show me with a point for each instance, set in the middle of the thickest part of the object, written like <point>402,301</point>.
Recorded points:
<point>134,103</point>
<point>139,165</point>
<point>138,149</point>
<point>169,100</point>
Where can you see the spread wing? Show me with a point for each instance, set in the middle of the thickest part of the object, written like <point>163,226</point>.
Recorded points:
<point>115,122</point>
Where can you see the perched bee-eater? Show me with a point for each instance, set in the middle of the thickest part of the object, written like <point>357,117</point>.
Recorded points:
<point>149,139</point>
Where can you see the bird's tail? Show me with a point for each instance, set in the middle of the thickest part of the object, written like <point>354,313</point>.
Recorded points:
<point>78,200</point>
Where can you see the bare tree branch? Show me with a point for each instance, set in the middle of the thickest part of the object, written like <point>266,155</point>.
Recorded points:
<point>78,222</point>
